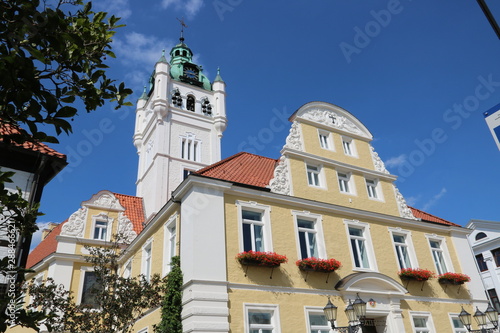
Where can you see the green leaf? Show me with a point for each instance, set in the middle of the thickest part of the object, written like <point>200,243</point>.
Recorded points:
<point>66,112</point>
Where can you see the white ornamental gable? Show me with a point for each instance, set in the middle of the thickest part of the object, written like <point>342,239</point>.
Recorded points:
<point>76,224</point>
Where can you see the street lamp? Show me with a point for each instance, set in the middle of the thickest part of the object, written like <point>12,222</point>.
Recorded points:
<point>481,318</point>
<point>356,314</point>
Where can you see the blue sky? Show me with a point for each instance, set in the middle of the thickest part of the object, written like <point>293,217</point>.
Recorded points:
<point>419,74</point>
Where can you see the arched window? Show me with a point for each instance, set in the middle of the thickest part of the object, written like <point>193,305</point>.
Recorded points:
<point>190,103</point>
<point>177,53</point>
<point>480,235</point>
<point>184,53</point>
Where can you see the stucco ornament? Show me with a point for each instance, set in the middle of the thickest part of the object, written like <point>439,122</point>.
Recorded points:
<point>377,162</point>
<point>294,140</point>
<point>125,228</point>
<point>105,200</point>
<point>281,182</point>
<point>76,224</point>
<point>404,210</point>
<point>332,119</point>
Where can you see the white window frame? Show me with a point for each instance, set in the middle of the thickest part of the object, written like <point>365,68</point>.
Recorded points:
<point>345,179</point>
<point>456,329</point>
<point>319,175</point>
<point>409,246</point>
<point>272,308</point>
<point>83,270</point>
<point>372,262</point>
<point>374,187</point>
<point>127,269</point>
<point>318,230</point>
<point>315,310</point>
<point>147,262</point>
<point>421,314</point>
<point>169,243</point>
<point>266,222</point>
<point>190,147</point>
<point>102,217</point>
<point>349,147</point>
<point>444,251</point>
<point>325,140</point>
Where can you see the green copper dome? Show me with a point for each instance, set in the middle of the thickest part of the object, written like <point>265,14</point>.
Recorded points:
<point>184,70</point>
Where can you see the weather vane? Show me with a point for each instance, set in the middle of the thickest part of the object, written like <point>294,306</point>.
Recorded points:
<point>183,25</point>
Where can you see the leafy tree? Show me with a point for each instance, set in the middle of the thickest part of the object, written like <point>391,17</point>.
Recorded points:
<point>121,301</point>
<point>50,57</point>
<point>171,308</point>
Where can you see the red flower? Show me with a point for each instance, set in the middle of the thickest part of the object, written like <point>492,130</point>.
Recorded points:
<point>415,274</point>
<point>455,278</point>
<point>261,258</point>
<point>316,264</point>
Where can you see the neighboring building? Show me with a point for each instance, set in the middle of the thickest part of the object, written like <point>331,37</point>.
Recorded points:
<point>34,164</point>
<point>485,243</point>
<point>329,195</point>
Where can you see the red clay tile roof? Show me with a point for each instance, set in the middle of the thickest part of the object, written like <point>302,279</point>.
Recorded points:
<point>420,214</point>
<point>255,170</point>
<point>46,247</point>
<point>7,129</point>
<point>244,168</point>
<point>134,210</point>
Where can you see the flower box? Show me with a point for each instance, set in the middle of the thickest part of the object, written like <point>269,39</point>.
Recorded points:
<point>318,265</point>
<point>257,258</point>
<point>415,274</point>
<point>453,278</point>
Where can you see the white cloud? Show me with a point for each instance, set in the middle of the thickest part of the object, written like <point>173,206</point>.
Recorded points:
<point>395,161</point>
<point>434,199</point>
<point>411,201</point>
<point>118,8</point>
<point>139,53</point>
<point>190,7</point>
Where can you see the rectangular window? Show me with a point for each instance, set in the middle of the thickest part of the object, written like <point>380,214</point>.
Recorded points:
<point>492,293</point>
<point>313,175</point>
<point>317,322</point>
<point>146,262</point>
<point>371,187</point>
<point>496,255</point>
<point>90,286</point>
<point>253,231</point>
<point>262,319</point>
<point>421,324</point>
<point>438,256</point>
<point>169,243</point>
<point>458,327</point>
<point>344,182</point>
<point>401,251</point>
<point>100,230</point>
<point>190,148</point>
<point>348,146</point>
<point>324,140</point>
<point>481,264</point>
<point>307,238</point>
<point>358,247</point>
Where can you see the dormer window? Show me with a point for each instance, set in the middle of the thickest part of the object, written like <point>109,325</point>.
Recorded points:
<point>101,230</point>
<point>190,103</point>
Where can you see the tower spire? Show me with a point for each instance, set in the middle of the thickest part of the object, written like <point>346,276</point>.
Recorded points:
<point>183,25</point>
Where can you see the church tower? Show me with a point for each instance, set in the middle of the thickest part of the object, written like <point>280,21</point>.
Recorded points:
<point>180,119</point>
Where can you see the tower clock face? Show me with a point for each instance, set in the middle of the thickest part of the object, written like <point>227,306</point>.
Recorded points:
<point>191,73</point>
